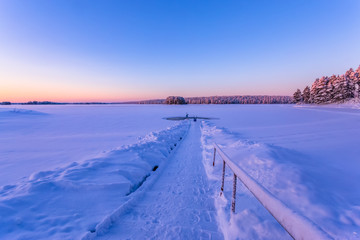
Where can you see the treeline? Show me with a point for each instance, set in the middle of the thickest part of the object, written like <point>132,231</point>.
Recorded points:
<point>175,100</point>
<point>240,100</point>
<point>153,101</point>
<point>58,103</point>
<point>227,100</point>
<point>332,89</point>
<point>39,103</point>
<point>191,100</point>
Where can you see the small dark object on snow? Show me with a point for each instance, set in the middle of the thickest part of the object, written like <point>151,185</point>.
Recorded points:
<point>155,167</point>
<point>194,119</point>
<point>174,144</point>
<point>180,138</point>
<point>186,118</point>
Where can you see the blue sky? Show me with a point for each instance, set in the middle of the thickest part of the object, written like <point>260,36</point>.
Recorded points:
<point>128,50</point>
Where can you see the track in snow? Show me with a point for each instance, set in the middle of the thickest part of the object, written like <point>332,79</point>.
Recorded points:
<point>178,205</point>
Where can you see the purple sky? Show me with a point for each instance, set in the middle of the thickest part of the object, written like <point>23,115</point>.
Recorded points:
<point>129,50</point>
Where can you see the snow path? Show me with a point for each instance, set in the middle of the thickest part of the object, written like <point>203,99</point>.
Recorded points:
<point>178,205</point>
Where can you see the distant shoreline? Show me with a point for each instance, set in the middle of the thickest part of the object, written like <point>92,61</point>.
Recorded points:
<point>238,99</point>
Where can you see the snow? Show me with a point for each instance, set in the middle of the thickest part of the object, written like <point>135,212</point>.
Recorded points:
<point>306,156</point>
<point>48,136</point>
<point>296,225</point>
<point>178,204</point>
<point>68,201</point>
<point>78,171</point>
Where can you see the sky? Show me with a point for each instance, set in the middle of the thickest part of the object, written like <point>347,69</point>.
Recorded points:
<point>133,50</point>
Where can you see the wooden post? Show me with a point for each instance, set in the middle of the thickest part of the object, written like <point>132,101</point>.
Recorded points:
<point>234,195</point>
<point>214,156</point>
<point>223,177</point>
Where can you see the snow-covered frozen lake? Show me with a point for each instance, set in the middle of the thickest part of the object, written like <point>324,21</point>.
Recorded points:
<point>35,138</point>
<point>65,169</point>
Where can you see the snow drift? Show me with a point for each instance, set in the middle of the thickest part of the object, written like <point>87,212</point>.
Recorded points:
<point>67,202</point>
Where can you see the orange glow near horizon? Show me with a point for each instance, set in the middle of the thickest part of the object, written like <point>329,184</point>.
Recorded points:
<point>24,92</point>
<point>66,95</point>
<point>23,82</point>
<point>39,90</point>
<point>30,86</point>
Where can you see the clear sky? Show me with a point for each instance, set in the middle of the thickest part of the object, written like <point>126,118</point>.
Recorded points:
<point>130,49</point>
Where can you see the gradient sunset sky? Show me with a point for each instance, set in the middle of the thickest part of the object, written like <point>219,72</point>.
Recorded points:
<point>131,50</point>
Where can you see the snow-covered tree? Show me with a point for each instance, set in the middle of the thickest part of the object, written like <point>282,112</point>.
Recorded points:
<point>330,89</point>
<point>297,96</point>
<point>357,83</point>
<point>306,95</point>
<point>318,90</point>
<point>335,88</point>
<point>349,85</point>
<point>314,90</point>
<point>338,94</point>
<point>175,100</point>
<point>322,94</point>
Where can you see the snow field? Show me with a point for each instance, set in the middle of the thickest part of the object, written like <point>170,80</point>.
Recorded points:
<point>67,202</point>
<point>75,182</point>
<point>35,138</point>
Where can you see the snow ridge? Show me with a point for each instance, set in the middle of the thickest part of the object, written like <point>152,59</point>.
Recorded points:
<point>66,202</point>
<point>107,222</point>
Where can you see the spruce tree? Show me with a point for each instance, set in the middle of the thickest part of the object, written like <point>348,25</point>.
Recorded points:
<point>318,90</point>
<point>330,89</point>
<point>297,96</point>
<point>350,83</point>
<point>357,83</point>
<point>339,87</point>
<point>322,93</point>
<point>313,91</point>
<point>306,95</point>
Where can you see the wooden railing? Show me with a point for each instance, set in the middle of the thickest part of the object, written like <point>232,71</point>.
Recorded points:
<point>295,224</point>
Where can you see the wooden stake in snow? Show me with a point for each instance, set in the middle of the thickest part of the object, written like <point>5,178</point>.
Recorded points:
<point>223,177</point>
<point>234,194</point>
<point>214,156</point>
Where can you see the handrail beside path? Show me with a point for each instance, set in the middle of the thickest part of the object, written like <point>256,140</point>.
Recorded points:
<point>295,224</point>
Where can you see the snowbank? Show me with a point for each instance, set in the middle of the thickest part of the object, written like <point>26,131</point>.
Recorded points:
<point>64,203</point>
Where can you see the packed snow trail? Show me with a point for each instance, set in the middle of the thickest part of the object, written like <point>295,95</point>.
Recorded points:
<point>178,205</point>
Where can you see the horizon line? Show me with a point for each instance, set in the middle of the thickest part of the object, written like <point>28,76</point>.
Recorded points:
<point>130,101</point>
